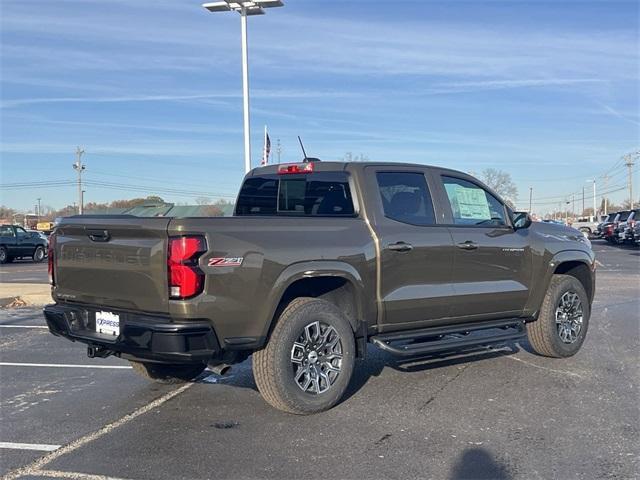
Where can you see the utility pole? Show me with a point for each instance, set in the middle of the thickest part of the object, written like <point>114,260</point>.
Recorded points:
<point>530,199</point>
<point>629,157</point>
<point>79,167</point>
<point>582,200</point>
<point>594,200</point>
<point>39,208</point>
<point>606,181</point>
<point>573,206</point>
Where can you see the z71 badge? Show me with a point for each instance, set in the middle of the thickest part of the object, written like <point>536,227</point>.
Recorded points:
<point>226,262</point>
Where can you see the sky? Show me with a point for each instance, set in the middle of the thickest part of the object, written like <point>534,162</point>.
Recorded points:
<point>546,90</point>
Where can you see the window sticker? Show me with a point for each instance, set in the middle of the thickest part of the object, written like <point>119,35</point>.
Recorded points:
<point>468,202</point>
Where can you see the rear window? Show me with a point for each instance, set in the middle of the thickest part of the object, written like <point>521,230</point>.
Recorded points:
<point>313,194</point>
<point>623,216</point>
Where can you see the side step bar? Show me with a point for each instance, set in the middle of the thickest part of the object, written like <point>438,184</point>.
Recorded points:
<point>450,338</point>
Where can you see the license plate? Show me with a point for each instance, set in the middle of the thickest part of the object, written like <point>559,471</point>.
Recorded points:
<point>108,323</point>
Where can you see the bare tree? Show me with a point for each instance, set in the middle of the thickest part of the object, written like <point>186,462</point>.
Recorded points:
<point>501,182</point>
<point>203,201</point>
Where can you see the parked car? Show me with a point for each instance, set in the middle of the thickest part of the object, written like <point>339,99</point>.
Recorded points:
<point>319,259</point>
<point>16,242</point>
<point>586,225</point>
<point>624,230</point>
<point>636,233</point>
<point>619,225</point>
<point>600,231</point>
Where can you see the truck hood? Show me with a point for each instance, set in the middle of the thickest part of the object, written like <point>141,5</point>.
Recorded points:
<point>560,233</point>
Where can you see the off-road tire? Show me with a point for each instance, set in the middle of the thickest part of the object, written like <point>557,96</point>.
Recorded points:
<point>543,333</point>
<point>4,256</point>
<point>39,254</point>
<point>272,367</point>
<point>167,374</point>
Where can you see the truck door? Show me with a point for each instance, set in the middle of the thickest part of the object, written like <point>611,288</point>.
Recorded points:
<point>416,254</point>
<point>26,244</point>
<point>493,262</point>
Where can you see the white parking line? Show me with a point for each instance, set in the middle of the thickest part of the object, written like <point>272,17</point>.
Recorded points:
<point>74,475</point>
<point>41,447</point>
<point>59,365</point>
<point>36,467</point>
<point>23,326</point>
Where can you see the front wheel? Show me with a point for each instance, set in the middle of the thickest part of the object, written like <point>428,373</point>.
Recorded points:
<point>307,363</point>
<point>38,255</point>
<point>167,374</point>
<point>562,325</point>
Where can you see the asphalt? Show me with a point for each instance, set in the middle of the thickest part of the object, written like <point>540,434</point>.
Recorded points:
<point>496,414</point>
<point>24,271</point>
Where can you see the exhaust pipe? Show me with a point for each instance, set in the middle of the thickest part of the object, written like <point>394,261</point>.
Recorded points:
<point>98,352</point>
<point>220,369</point>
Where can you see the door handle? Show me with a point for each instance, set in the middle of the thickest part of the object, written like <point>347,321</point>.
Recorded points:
<point>99,235</point>
<point>400,247</point>
<point>468,245</point>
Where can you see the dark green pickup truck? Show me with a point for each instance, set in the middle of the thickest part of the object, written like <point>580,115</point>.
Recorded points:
<point>320,259</point>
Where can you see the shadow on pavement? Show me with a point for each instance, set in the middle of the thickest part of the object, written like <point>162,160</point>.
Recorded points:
<point>479,464</point>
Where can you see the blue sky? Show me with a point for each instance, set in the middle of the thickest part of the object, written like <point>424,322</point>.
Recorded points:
<point>546,90</point>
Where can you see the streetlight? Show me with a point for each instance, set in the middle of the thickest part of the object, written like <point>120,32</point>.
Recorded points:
<point>244,8</point>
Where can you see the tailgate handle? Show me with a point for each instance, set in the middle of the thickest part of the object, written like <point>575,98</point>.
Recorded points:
<point>99,235</point>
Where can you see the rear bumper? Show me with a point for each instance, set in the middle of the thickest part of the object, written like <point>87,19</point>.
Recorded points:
<point>142,336</point>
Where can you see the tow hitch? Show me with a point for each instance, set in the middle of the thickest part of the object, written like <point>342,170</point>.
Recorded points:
<point>98,352</point>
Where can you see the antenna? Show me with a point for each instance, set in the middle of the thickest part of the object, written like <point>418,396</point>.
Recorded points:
<point>306,159</point>
<point>302,147</point>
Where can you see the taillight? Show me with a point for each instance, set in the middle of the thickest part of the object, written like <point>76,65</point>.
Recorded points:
<point>306,167</point>
<point>50,254</point>
<point>185,278</point>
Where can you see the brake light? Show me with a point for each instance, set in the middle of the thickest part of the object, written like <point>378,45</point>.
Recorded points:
<point>185,278</point>
<point>50,260</point>
<point>295,168</point>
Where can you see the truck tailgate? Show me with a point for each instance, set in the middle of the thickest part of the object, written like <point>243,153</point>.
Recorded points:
<point>118,262</point>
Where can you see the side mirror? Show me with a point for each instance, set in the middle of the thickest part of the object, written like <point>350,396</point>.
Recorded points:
<point>521,220</point>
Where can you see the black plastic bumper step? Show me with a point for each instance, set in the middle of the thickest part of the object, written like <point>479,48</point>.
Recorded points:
<point>450,338</point>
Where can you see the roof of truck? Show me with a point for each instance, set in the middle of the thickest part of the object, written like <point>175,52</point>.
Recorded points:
<point>323,166</point>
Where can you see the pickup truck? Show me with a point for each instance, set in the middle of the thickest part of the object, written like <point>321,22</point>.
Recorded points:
<point>16,242</point>
<point>319,259</point>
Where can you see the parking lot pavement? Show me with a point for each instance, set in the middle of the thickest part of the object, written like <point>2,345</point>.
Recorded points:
<point>24,271</point>
<point>503,413</point>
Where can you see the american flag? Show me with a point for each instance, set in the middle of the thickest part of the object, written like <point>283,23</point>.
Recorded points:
<point>267,148</point>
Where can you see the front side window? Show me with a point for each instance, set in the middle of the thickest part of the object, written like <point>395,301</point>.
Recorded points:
<point>472,204</point>
<point>313,194</point>
<point>405,197</point>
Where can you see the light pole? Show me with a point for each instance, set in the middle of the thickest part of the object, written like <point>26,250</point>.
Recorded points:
<point>244,8</point>
<point>80,168</point>
<point>595,214</point>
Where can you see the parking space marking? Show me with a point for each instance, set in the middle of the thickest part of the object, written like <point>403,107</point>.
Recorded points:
<point>34,468</point>
<point>561,372</point>
<point>74,475</point>
<point>60,365</point>
<point>23,326</point>
<point>29,446</point>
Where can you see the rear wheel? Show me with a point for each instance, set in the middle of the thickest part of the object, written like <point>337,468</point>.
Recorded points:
<point>168,374</point>
<point>307,363</point>
<point>562,325</point>
<point>4,255</point>
<point>38,255</point>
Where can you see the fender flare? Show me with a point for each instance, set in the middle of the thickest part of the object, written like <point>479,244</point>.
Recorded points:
<point>558,259</point>
<point>314,269</point>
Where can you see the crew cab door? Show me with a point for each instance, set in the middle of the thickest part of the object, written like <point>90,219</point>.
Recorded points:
<point>492,269</point>
<point>416,254</point>
<point>25,244</point>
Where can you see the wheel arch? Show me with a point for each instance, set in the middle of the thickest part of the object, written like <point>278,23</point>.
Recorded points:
<point>336,282</point>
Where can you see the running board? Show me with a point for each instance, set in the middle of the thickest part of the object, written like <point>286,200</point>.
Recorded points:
<point>450,338</point>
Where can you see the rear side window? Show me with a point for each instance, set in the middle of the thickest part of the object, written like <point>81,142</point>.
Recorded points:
<point>405,197</point>
<point>314,194</point>
<point>6,232</point>
<point>473,205</point>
